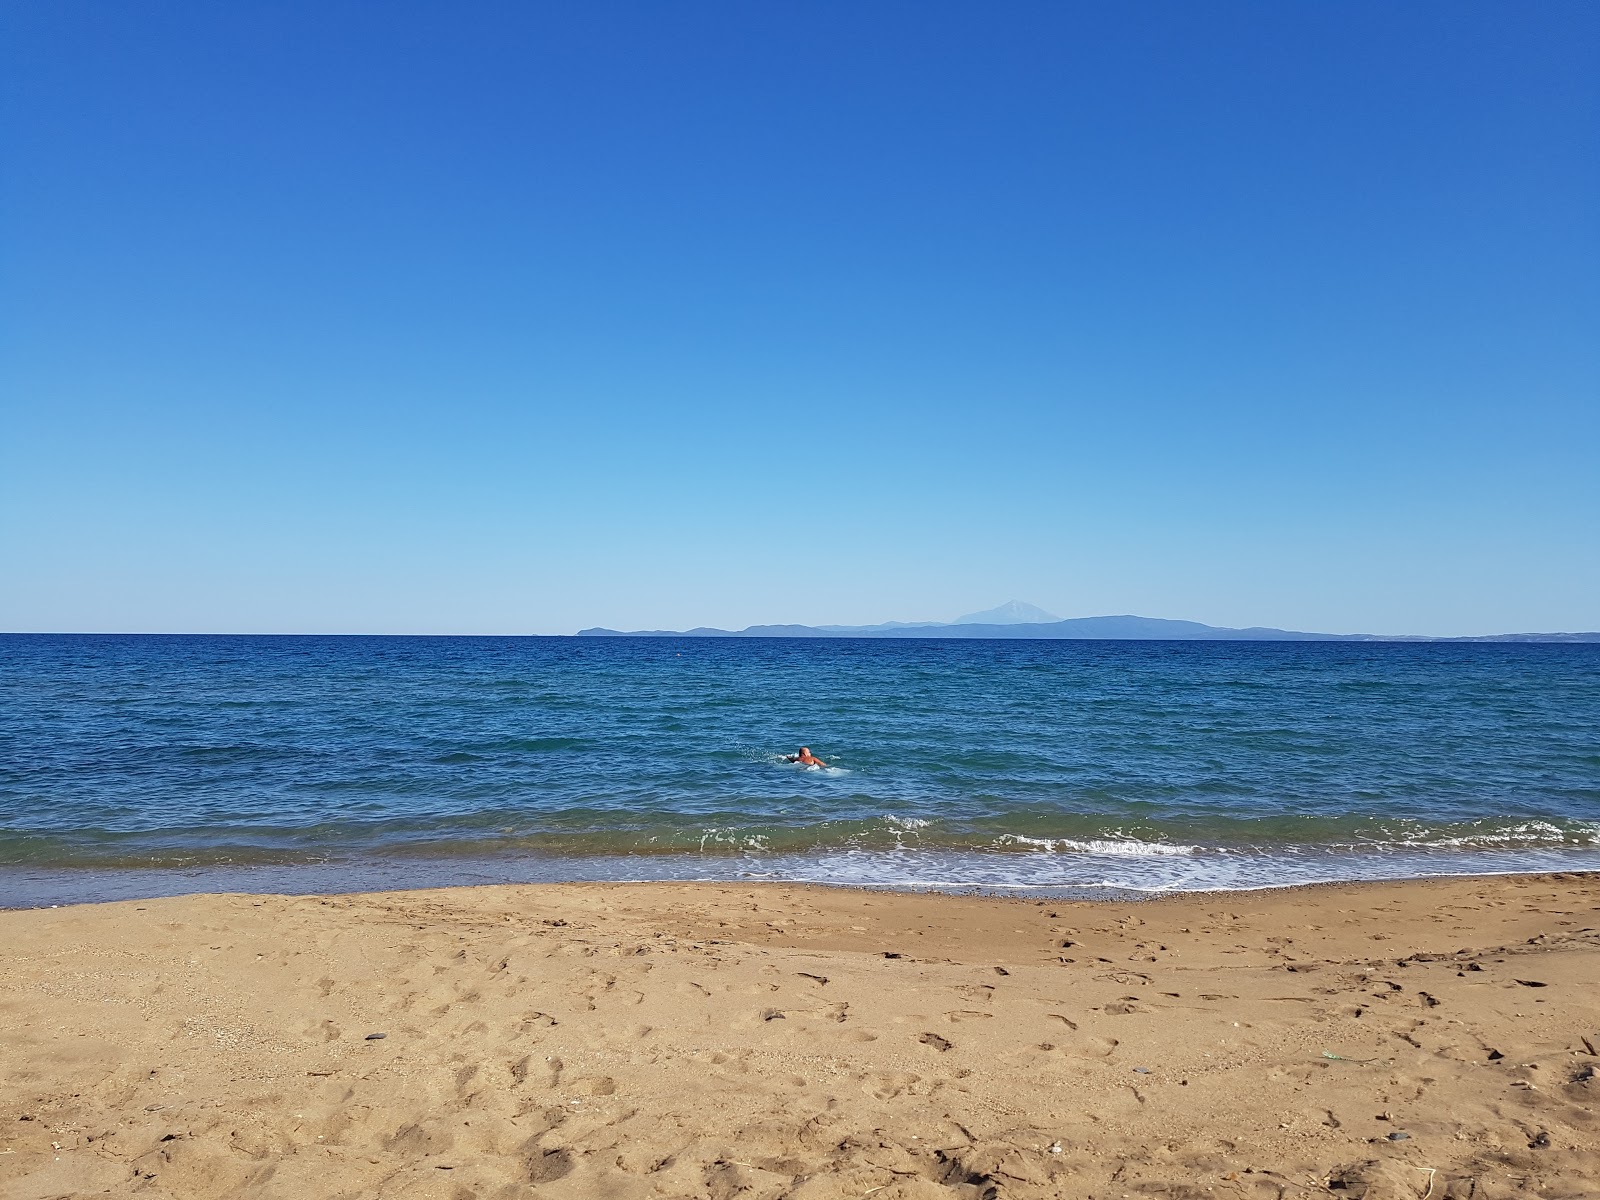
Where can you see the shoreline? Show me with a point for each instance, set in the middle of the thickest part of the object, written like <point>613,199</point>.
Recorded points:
<point>24,887</point>
<point>778,1040</point>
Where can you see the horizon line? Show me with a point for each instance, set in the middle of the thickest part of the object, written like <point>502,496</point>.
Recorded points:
<point>828,637</point>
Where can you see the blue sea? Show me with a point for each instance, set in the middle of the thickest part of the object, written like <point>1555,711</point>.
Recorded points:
<point>143,765</point>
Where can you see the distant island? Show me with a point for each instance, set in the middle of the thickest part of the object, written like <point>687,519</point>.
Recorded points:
<point>1018,620</point>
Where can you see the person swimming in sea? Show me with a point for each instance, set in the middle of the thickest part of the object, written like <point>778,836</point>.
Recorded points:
<point>805,758</point>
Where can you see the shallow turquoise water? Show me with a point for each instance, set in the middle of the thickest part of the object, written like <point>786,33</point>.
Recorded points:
<point>150,763</point>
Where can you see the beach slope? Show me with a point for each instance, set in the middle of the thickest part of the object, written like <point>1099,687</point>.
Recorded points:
<point>1384,1040</point>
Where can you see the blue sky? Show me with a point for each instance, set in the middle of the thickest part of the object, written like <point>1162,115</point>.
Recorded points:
<point>516,318</point>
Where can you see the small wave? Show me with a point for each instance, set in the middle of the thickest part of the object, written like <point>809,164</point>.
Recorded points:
<point>1527,833</point>
<point>531,745</point>
<point>1120,847</point>
<point>1533,832</point>
<point>724,838</point>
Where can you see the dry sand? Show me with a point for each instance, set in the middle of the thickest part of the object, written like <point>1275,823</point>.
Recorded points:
<point>767,1041</point>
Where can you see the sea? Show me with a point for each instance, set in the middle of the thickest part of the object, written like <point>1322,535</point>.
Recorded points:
<point>138,766</point>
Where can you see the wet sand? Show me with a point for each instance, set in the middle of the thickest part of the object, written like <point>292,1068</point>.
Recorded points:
<point>1422,1039</point>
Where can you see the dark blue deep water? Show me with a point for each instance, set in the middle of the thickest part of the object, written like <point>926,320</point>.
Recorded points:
<point>137,764</point>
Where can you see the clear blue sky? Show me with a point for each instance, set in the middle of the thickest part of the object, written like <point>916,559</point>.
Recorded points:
<point>519,317</point>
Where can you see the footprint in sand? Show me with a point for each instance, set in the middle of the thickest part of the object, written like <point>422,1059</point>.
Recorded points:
<point>886,1085</point>
<point>549,1165</point>
<point>1095,1047</point>
<point>414,1141</point>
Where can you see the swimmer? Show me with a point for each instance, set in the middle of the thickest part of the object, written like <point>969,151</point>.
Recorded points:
<point>805,758</point>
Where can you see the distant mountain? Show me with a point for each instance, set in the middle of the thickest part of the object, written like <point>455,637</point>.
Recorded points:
<point>880,627</point>
<point>1122,628</point>
<point>1012,612</point>
<point>1082,628</point>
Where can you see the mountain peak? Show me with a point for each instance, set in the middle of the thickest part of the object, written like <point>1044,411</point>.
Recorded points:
<point>1012,612</point>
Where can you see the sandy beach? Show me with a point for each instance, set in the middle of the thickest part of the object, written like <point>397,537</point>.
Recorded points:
<point>1422,1039</point>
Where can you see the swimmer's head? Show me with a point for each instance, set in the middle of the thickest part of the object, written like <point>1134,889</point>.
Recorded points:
<point>805,749</point>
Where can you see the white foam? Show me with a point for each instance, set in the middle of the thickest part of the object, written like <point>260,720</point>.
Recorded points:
<point>753,843</point>
<point>783,760</point>
<point>1531,831</point>
<point>1120,871</point>
<point>1120,847</point>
